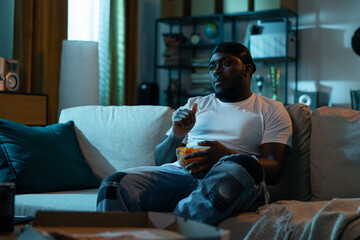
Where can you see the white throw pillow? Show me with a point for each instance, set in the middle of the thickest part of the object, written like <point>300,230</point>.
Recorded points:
<point>113,138</point>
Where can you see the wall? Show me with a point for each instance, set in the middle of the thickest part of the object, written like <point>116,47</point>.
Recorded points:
<point>327,62</point>
<point>7,8</point>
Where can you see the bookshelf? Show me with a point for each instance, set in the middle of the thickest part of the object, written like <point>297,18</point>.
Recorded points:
<point>182,61</point>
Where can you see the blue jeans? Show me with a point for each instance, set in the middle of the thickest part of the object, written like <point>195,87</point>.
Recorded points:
<point>226,190</point>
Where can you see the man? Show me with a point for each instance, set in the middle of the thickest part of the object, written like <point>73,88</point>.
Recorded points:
<point>248,136</point>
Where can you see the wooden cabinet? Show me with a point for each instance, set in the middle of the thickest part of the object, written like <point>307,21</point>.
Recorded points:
<point>25,108</point>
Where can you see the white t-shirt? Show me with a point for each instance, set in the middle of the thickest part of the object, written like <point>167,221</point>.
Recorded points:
<point>241,126</point>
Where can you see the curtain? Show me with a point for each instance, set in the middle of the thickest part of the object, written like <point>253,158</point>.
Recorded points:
<point>40,27</point>
<point>131,53</point>
<point>118,64</point>
<point>111,52</point>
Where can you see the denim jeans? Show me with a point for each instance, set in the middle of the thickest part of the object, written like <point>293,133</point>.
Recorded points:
<point>226,190</point>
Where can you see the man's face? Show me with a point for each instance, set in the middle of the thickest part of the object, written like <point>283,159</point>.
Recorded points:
<point>228,77</point>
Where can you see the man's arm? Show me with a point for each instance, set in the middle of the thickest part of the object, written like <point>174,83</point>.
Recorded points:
<point>183,121</point>
<point>272,158</point>
<point>166,149</point>
<point>209,157</point>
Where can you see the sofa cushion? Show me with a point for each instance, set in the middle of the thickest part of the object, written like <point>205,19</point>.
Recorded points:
<point>295,182</point>
<point>240,225</point>
<point>42,159</point>
<point>335,153</point>
<point>113,138</point>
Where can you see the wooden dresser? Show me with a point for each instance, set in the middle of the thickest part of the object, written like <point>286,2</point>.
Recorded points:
<point>25,108</point>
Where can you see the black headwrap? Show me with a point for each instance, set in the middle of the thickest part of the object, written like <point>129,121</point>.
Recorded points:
<point>238,50</point>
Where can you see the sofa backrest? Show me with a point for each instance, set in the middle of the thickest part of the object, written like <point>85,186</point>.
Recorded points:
<point>335,153</point>
<point>295,182</point>
<point>113,138</point>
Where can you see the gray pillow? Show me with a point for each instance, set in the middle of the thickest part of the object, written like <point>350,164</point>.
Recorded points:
<point>295,182</point>
<point>335,153</point>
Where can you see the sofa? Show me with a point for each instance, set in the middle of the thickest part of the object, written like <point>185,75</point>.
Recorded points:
<point>323,166</point>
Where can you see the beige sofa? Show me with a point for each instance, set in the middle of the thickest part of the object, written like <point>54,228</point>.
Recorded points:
<point>324,162</point>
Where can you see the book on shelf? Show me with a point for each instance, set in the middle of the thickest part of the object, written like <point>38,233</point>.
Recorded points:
<point>173,39</point>
<point>200,76</point>
<point>171,53</point>
<point>200,62</point>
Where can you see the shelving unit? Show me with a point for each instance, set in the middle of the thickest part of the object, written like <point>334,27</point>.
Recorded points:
<point>232,27</point>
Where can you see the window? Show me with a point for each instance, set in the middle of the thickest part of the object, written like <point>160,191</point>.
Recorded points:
<point>83,20</point>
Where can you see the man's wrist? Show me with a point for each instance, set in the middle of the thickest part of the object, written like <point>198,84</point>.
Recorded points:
<point>175,137</point>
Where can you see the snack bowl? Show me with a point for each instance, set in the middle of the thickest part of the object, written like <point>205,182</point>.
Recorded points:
<point>181,152</point>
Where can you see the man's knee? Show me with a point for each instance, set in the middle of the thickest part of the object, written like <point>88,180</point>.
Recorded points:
<point>225,192</point>
<point>251,165</point>
<point>109,187</point>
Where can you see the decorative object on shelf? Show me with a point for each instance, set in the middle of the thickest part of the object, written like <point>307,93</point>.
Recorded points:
<point>2,82</point>
<point>312,99</point>
<point>211,30</point>
<point>259,83</point>
<point>195,38</point>
<point>355,41</point>
<point>250,29</point>
<point>270,40</point>
<point>9,75</point>
<point>275,80</point>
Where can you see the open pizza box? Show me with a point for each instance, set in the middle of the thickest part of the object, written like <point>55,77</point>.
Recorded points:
<point>118,225</point>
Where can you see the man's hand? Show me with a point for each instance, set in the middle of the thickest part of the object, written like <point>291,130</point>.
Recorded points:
<point>208,157</point>
<point>183,121</point>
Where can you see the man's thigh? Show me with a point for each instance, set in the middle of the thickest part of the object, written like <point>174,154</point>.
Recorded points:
<point>153,188</point>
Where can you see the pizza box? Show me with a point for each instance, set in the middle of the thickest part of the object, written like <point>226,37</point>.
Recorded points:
<point>118,225</point>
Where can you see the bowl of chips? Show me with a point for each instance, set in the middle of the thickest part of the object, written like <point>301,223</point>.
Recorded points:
<point>181,152</point>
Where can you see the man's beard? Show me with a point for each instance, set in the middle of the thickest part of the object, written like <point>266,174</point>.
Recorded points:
<point>224,94</point>
<point>229,94</point>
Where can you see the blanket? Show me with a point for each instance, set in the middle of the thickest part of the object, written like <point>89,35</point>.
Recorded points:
<point>335,219</point>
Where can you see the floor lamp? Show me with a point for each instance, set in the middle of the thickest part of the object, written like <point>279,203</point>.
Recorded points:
<point>79,74</point>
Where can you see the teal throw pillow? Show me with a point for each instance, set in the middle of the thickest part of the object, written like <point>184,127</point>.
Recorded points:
<point>43,159</point>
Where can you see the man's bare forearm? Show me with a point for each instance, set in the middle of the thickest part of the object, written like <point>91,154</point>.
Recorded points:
<point>165,151</point>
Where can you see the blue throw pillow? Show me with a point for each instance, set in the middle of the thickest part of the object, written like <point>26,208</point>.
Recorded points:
<point>43,159</point>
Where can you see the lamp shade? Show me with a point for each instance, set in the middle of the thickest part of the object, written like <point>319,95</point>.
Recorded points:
<point>79,74</point>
